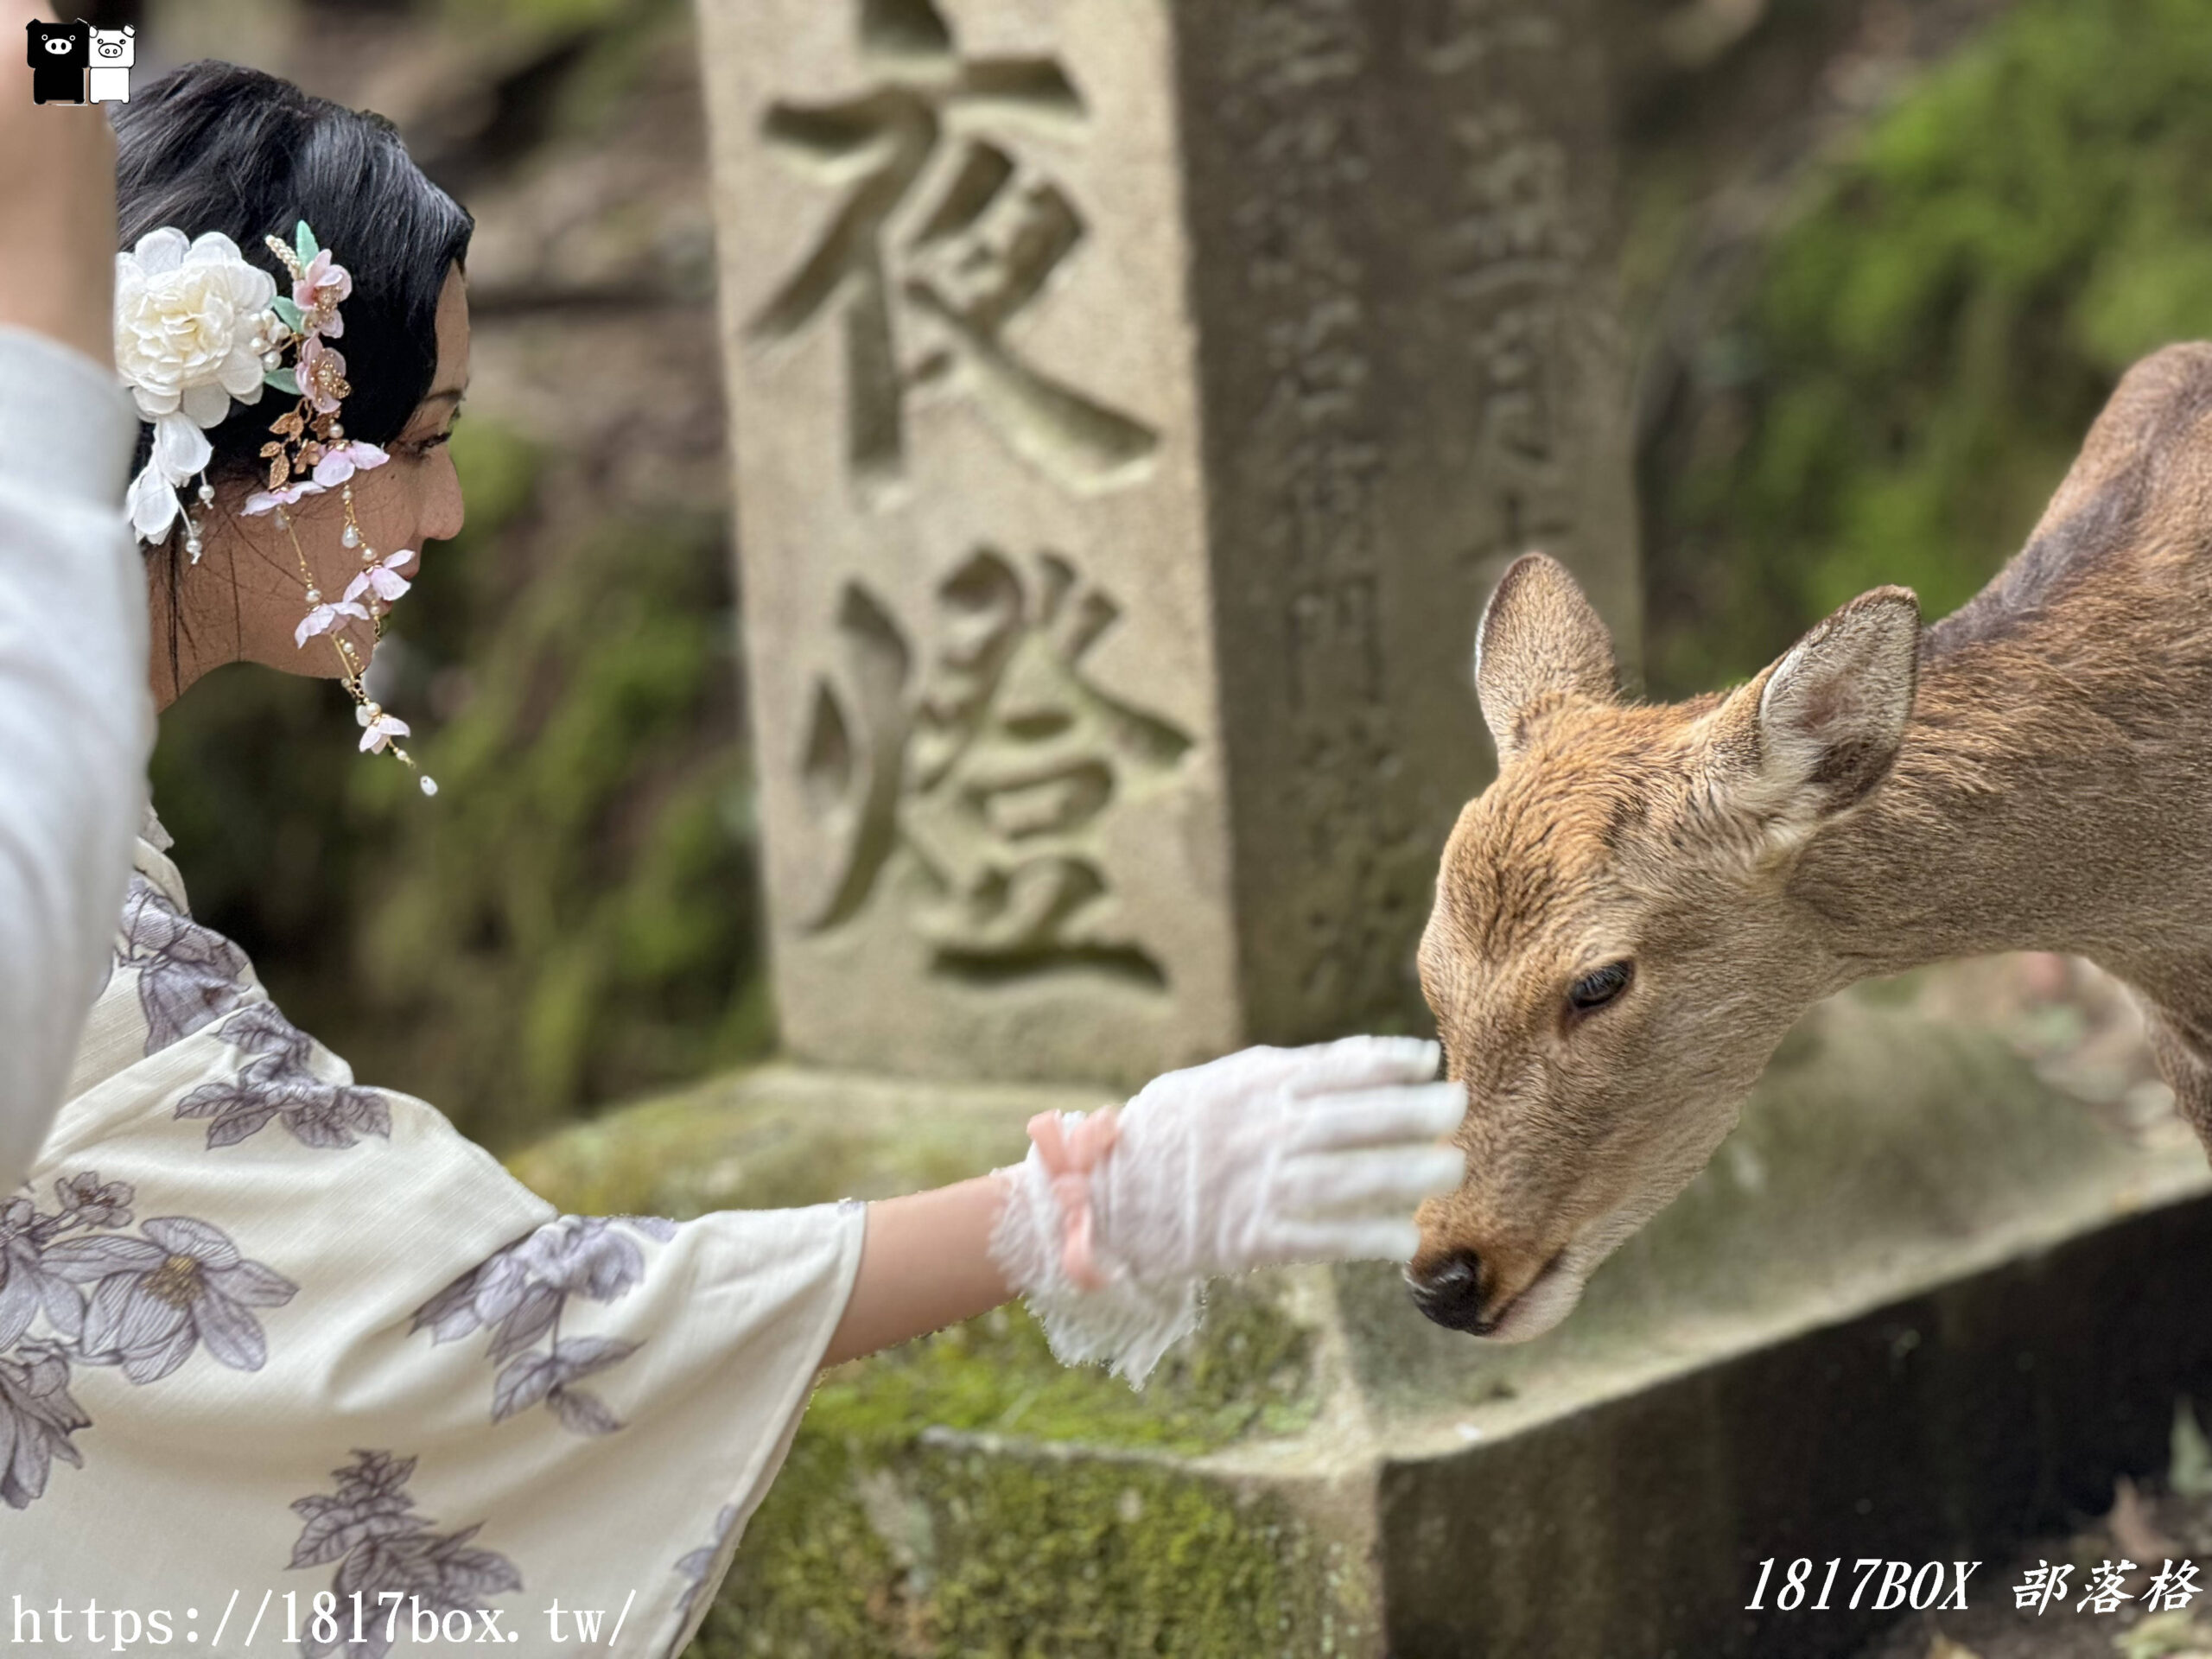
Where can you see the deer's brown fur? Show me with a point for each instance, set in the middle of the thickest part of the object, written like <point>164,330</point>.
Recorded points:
<point>2032,773</point>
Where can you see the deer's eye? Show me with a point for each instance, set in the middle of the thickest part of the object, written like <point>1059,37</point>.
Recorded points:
<point>1599,987</point>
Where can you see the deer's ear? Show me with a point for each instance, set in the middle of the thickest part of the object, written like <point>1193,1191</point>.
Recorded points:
<point>1821,726</point>
<point>1538,637</point>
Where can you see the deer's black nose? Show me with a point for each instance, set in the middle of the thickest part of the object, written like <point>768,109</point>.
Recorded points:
<point>1451,1293</point>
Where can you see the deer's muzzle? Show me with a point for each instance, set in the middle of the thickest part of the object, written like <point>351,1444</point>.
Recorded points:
<point>1457,1292</point>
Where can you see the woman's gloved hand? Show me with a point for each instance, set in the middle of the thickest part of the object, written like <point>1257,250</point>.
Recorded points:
<point>1265,1157</point>
<point>1275,1155</point>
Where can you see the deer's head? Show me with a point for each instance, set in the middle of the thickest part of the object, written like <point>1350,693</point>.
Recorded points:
<point>1615,949</point>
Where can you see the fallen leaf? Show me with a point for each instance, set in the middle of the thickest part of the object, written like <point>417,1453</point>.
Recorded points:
<point>1943,1647</point>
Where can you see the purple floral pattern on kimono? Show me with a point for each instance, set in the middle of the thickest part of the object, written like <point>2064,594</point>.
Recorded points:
<point>179,1285</point>
<point>276,1083</point>
<point>517,1293</point>
<point>37,1417</point>
<point>694,1566</point>
<point>157,1297</point>
<point>382,1547</point>
<point>187,974</point>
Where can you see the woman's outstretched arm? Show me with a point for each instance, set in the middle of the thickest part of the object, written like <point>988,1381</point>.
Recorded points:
<point>926,1263</point>
<point>76,719</point>
<point>1265,1157</point>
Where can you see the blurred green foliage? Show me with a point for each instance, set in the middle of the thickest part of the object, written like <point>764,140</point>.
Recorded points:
<point>572,918</point>
<point>1930,338</point>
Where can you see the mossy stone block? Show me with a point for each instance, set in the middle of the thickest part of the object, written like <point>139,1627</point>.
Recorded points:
<point>1321,1471</point>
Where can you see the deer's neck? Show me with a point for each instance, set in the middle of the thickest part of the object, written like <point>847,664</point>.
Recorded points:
<point>2032,806</point>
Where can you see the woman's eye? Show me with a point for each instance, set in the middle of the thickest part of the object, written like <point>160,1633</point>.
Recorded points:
<point>1595,990</point>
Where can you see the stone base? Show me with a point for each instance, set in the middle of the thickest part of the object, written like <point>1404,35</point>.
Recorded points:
<point>1938,1427</point>
<point>1920,1306</point>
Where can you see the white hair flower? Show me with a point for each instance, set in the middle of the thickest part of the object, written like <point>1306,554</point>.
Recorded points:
<point>193,321</point>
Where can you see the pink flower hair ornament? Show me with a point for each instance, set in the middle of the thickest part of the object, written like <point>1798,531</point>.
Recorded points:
<point>382,579</point>
<point>197,328</point>
<point>264,501</point>
<point>341,460</point>
<point>378,727</point>
<point>323,617</point>
<point>317,290</point>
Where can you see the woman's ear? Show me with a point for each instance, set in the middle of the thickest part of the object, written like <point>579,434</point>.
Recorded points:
<point>1539,639</point>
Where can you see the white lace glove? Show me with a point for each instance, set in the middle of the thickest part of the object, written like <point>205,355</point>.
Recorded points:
<point>1265,1157</point>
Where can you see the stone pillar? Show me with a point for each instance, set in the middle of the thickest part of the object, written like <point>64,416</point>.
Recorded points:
<point>1132,405</point>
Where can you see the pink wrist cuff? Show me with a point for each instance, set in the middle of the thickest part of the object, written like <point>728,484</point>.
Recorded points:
<point>1070,1157</point>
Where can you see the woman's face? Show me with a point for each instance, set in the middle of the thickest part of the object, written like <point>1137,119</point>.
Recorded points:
<point>413,499</point>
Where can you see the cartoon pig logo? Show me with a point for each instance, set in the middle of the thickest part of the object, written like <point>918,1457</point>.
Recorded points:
<point>114,51</point>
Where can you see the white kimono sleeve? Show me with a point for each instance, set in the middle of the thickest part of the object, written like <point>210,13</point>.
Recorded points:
<point>271,1341</point>
<point>76,719</point>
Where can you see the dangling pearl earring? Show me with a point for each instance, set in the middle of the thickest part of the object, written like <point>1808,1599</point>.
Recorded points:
<point>192,526</point>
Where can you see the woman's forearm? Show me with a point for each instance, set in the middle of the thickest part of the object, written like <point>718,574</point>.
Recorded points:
<point>926,1263</point>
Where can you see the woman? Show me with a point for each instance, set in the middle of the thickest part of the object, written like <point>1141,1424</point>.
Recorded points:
<point>297,1337</point>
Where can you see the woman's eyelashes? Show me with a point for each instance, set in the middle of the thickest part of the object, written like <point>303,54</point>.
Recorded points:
<point>419,447</point>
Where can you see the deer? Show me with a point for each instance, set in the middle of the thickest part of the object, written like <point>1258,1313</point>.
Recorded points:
<point>1646,896</point>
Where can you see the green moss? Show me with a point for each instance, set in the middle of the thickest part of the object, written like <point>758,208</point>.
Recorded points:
<point>757,1144</point>
<point>773,1136</point>
<point>811,1576</point>
<point>877,1538</point>
<point>1931,336</point>
<point>941,1550</point>
<point>1248,1372</point>
<point>781,1136</point>
<point>1071,1534</point>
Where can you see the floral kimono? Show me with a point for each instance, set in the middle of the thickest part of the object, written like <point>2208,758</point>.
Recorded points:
<point>290,1364</point>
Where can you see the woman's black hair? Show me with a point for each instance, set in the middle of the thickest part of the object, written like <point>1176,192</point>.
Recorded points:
<point>213,146</point>
<point>216,147</point>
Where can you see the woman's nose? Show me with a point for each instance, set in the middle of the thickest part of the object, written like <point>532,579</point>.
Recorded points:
<point>445,511</point>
